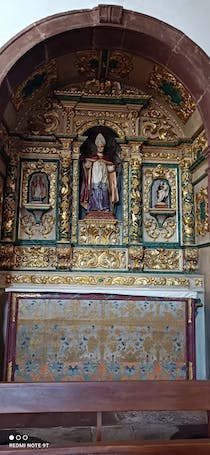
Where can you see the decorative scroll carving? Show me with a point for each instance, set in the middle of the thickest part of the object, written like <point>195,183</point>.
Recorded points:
<point>85,119</point>
<point>35,257</point>
<point>75,202</point>
<point>86,258</point>
<point>116,64</point>
<point>157,124</point>
<point>64,257</point>
<point>202,211</point>
<point>167,230</point>
<point>47,224</point>
<point>173,91</point>
<point>65,192</point>
<point>199,145</point>
<point>36,83</point>
<point>88,119</point>
<point>158,129</point>
<point>136,199</point>
<point>160,155</point>
<point>188,219</point>
<point>10,197</point>
<point>6,257</point>
<point>161,259</point>
<point>190,258</point>
<point>99,280</point>
<point>45,119</point>
<point>100,232</point>
<point>135,258</point>
<point>39,150</point>
<point>28,225</point>
<point>125,202</point>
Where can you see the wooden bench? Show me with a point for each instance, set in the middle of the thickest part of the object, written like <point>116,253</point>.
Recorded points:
<point>115,396</point>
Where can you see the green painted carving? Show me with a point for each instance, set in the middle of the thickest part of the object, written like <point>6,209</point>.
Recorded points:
<point>170,90</point>
<point>203,210</point>
<point>94,63</point>
<point>33,84</point>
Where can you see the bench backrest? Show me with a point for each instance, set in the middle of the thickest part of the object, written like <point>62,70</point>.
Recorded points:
<point>104,396</point>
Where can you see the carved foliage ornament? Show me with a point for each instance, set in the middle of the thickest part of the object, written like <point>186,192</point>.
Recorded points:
<point>199,145</point>
<point>173,91</point>
<point>100,280</point>
<point>104,64</point>
<point>136,256</point>
<point>99,232</point>
<point>84,120</point>
<point>202,212</point>
<point>167,230</point>
<point>190,259</point>
<point>188,217</point>
<point>35,257</point>
<point>86,258</point>
<point>10,197</point>
<point>161,259</point>
<point>157,124</point>
<point>136,199</point>
<point>65,195</point>
<point>38,81</point>
<point>45,120</point>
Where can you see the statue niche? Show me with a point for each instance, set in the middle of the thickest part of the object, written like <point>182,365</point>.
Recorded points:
<point>100,177</point>
<point>38,195</point>
<point>160,200</point>
<point>160,194</point>
<point>38,188</point>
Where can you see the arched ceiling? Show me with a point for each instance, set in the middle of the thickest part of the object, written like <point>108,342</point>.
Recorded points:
<point>92,71</point>
<point>106,43</point>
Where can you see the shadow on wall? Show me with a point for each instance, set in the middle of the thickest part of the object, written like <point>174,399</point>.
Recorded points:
<point>3,304</point>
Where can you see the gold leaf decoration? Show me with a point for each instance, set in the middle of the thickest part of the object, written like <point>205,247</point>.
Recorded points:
<point>173,91</point>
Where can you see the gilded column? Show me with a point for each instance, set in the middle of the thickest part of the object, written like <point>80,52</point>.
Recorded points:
<point>10,197</point>
<point>75,196</point>
<point>65,191</point>
<point>206,153</point>
<point>136,194</point>
<point>188,216</point>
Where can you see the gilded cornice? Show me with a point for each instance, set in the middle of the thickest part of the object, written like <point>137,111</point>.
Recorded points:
<point>100,280</point>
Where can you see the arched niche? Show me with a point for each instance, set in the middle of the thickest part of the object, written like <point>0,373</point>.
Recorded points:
<point>112,167</point>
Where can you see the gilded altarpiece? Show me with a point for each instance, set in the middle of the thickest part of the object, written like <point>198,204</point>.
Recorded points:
<point>141,244</point>
<point>99,337</point>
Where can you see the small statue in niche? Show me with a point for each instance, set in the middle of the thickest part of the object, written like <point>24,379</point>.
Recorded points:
<point>39,188</point>
<point>99,190</point>
<point>162,194</point>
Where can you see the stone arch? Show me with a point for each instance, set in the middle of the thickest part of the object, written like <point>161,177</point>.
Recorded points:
<point>111,26</point>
